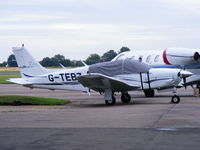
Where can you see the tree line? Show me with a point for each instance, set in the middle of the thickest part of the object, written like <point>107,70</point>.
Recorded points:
<point>59,60</point>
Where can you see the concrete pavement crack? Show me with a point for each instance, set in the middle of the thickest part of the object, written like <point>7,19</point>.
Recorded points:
<point>161,116</point>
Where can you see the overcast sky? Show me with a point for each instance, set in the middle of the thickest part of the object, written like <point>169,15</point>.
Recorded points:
<point>77,28</point>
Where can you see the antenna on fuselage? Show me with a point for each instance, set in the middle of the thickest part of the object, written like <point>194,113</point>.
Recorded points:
<point>62,66</point>
<point>84,63</point>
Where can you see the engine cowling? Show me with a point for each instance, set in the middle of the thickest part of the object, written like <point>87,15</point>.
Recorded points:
<point>181,56</point>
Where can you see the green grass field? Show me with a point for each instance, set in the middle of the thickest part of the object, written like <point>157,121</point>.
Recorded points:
<point>4,78</point>
<point>28,100</point>
<point>8,72</point>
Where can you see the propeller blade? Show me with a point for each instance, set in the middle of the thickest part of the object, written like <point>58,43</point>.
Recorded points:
<point>184,82</point>
<point>184,74</point>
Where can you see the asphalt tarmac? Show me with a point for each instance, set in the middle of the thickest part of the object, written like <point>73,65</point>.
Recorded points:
<point>87,123</point>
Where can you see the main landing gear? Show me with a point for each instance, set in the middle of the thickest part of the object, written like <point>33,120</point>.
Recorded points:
<point>111,100</point>
<point>125,97</point>
<point>109,97</point>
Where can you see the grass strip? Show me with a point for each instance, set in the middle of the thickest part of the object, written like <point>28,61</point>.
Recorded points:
<point>4,78</point>
<point>29,100</point>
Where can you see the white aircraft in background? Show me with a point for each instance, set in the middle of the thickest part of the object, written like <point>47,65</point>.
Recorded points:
<point>173,58</point>
<point>108,77</point>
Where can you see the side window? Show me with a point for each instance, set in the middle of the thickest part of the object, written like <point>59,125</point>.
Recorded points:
<point>148,59</point>
<point>157,58</point>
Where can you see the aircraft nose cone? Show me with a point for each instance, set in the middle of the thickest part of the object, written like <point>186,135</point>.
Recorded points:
<point>185,74</point>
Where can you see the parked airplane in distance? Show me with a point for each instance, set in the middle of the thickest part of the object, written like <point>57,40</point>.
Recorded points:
<point>173,58</point>
<point>107,77</point>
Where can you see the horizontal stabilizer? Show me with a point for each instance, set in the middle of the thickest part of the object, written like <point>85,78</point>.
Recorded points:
<point>21,81</point>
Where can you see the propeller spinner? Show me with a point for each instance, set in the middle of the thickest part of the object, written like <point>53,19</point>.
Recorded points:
<point>184,74</point>
<point>196,56</point>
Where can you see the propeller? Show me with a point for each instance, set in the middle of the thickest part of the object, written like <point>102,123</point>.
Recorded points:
<point>184,82</point>
<point>184,74</point>
<point>184,79</point>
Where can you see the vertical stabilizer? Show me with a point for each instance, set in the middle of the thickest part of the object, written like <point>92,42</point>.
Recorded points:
<point>27,64</point>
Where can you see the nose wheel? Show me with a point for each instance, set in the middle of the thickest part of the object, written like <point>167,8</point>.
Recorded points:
<point>175,99</point>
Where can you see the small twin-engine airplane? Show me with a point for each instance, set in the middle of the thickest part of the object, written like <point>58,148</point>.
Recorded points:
<point>107,77</point>
<point>173,58</point>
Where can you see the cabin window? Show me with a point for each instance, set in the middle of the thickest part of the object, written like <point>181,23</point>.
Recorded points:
<point>148,59</point>
<point>157,58</point>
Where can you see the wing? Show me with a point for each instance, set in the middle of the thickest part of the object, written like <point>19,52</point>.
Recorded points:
<point>99,82</point>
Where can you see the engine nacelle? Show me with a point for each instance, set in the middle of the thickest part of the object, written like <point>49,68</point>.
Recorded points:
<point>181,56</point>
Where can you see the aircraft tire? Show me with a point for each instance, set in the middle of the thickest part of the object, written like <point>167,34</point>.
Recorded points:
<point>175,99</point>
<point>149,93</point>
<point>125,98</point>
<point>110,103</point>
